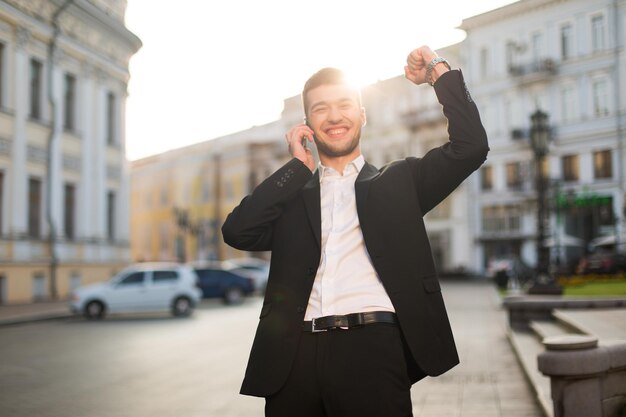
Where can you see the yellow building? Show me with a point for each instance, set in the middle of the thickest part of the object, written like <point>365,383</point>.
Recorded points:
<point>63,172</point>
<point>179,199</point>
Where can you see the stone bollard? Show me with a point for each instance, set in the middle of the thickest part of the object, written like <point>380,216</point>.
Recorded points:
<point>586,380</point>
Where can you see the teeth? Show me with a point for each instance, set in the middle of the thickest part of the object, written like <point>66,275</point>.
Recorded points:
<point>336,131</point>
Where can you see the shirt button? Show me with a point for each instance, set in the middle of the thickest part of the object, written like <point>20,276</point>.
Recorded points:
<point>301,309</point>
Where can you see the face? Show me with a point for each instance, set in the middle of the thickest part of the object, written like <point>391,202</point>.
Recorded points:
<point>335,114</point>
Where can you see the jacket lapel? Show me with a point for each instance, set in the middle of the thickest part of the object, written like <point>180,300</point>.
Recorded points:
<point>311,196</point>
<point>362,187</point>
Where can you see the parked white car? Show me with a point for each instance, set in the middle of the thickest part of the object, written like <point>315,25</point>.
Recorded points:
<point>143,287</point>
<point>255,268</point>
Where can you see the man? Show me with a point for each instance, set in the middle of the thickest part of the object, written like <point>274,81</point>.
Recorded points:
<point>353,313</point>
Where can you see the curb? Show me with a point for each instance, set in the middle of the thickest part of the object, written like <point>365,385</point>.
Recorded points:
<point>10,321</point>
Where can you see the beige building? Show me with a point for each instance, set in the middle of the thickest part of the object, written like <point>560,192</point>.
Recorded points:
<point>63,172</point>
<point>180,198</point>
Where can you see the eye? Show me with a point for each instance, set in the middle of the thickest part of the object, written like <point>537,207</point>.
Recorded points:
<point>345,105</point>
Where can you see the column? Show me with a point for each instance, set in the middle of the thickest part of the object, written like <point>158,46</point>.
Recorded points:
<point>123,207</point>
<point>56,178</point>
<point>84,225</point>
<point>98,160</point>
<point>17,176</point>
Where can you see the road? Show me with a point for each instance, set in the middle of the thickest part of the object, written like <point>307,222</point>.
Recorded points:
<point>157,366</point>
<point>130,366</point>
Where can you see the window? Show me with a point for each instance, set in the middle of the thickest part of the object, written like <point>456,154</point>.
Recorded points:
<point>2,75</point>
<point>603,164</point>
<point>600,98</point>
<point>69,102</point>
<point>110,119</point>
<point>567,104</point>
<point>39,286</point>
<point>136,278</point>
<point>111,215</point>
<point>514,175</point>
<point>484,61</point>
<point>486,178</point>
<point>501,219</point>
<point>164,277</point>
<point>571,167</point>
<point>567,42</point>
<point>536,45</point>
<point>74,280</point>
<point>69,210</point>
<point>597,33</point>
<point>36,69</point>
<point>34,207</point>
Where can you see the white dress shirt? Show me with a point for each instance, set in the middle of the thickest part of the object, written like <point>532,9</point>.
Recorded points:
<point>346,281</point>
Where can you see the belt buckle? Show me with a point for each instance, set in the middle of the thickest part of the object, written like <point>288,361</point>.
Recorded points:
<point>313,329</point>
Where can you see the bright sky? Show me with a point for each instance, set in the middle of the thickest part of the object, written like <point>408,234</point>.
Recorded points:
<point>210,68</point>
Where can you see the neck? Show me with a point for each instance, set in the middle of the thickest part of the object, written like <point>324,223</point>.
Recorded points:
<point>338,163</point>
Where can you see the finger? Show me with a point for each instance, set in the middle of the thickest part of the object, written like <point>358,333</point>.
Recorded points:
<point>416,57</point>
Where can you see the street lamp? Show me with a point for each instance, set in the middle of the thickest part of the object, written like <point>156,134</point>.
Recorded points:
<point>539,141</point>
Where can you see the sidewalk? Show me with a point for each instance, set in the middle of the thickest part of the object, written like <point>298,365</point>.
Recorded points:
<point>43,310</point>
<point>489,382</point>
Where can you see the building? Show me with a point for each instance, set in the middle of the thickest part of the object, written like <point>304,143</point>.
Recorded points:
<point>565,57</point>
<point>180,198</point>
<point>63,171</point>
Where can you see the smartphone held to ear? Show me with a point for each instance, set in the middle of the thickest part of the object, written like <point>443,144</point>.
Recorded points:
<point>304,138</point>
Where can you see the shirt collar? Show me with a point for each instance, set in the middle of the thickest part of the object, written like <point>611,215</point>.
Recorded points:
<point>353,167</point>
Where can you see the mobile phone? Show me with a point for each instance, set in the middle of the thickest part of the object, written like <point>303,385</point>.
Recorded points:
<point>304,138</point>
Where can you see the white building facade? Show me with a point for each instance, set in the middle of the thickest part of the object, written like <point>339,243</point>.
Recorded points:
<point>63,172</point>
<point>566,58</point>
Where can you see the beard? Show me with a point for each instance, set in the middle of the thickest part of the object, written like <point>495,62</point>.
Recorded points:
<point>334,150</point>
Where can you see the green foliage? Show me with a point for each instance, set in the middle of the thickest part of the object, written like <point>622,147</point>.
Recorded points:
<point>597,288</point>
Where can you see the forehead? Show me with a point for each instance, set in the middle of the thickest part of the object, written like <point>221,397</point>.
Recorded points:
<point>329,93</point>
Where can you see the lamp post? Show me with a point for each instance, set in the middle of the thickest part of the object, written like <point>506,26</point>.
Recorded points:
<point>539,141</point>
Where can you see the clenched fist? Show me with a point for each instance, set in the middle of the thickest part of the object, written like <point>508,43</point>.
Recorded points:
<point>417,62</point>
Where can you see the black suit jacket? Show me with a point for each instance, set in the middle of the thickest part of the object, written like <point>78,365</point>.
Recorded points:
<point>283,215</point>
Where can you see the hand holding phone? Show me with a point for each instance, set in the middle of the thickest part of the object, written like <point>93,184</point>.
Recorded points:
<point>297,138</point>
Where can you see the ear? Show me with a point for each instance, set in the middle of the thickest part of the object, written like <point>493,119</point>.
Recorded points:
<point>363,117</point>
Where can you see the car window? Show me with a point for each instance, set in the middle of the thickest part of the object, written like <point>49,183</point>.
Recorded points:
<point>134,278</point>
<point>164,276</point>
<point>209,272</point>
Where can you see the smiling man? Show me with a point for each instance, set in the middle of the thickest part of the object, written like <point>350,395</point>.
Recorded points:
<point>353,313</point>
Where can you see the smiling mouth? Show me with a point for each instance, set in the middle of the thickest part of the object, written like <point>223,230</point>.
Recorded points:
<point>336,132</point>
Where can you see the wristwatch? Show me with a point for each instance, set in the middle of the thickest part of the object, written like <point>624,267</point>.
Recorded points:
<point>431,65</point>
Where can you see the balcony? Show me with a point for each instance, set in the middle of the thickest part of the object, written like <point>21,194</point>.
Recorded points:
<point>423,117</point>
<point>535,71</point>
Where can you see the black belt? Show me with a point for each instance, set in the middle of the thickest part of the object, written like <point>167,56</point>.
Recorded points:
<point>321,324</point>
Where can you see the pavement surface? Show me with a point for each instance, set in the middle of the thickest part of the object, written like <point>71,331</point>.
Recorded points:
<point>489,381</point>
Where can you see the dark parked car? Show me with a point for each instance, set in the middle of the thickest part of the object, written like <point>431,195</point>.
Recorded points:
<point>218,281</point>
<point>602,262</point>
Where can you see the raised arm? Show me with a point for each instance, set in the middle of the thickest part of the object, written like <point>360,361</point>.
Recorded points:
<point>442,169</point>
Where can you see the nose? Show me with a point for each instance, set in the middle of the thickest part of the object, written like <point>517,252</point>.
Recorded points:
<point>334,115</point>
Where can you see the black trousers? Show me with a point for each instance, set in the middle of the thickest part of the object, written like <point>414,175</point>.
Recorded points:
<point>360,372</point>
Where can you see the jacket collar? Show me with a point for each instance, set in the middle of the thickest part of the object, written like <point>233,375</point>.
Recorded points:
<point>311,196</point>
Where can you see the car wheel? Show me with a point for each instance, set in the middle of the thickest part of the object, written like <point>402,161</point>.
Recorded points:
<point>94,310</point>
<point>233,295</point>
<point>182,307</point>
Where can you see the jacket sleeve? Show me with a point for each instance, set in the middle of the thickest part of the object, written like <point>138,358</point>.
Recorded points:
<point>249,225</point>
<point>442,169</point>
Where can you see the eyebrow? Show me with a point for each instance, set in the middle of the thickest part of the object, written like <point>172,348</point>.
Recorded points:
<point>325,103</point>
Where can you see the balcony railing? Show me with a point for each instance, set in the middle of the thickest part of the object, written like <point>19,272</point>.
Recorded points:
<point>534,71</point>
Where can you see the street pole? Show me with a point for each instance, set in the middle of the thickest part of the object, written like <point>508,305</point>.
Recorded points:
<point>539,140</point>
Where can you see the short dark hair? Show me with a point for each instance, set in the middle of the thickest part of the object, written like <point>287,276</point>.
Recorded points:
<point>322,77</point>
